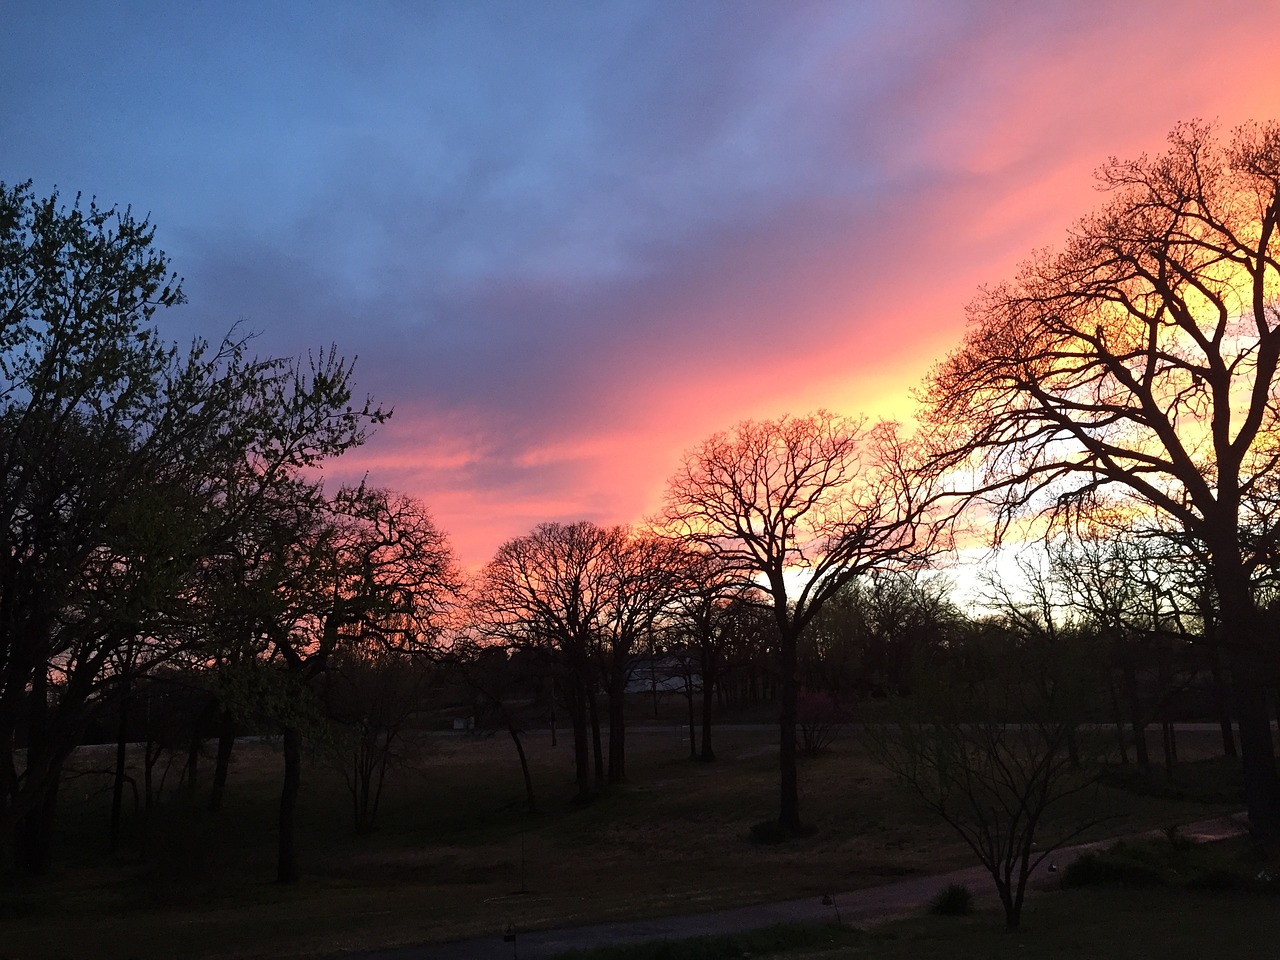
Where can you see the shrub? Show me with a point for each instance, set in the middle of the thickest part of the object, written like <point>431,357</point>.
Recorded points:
<point>820,717</point>
<point>1115,867</point>
<point>952,901</point>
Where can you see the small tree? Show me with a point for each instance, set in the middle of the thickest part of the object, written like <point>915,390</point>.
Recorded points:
<point>989,751</point>
<point>821,717</point>
<point>371,695</point>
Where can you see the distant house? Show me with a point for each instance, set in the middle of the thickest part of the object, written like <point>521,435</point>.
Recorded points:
<point>663,673</point>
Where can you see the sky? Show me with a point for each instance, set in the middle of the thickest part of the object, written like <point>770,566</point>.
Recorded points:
<point>567,241</point>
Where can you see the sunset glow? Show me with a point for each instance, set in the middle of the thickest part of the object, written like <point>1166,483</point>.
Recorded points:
<point>568,241</point>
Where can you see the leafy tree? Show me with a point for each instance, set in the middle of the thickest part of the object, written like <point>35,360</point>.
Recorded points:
<point>867,638</point>
<point>1142,358</point>
<point>112,446</point>
<point>805,504</point>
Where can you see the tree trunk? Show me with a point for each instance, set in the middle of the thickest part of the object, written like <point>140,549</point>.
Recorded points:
<point>531,802</point>
<point>222,764</point>
<point>1170,745</point>
<point>1135,716</point>
<point>618,733</point>
<point>1256,750</point>
<point>708,699</point>
<point>688,697</point>
<point>1118,721</point>
<point>1222,700</point>
<point>597,752</point>
<point>33,831</point>
<point>117,786</point>
<point>191,774</point>
<point>363,771</point>
<point>33,835</point>
<point>575,700</point>
<point>1249,672</point>
<point>789,790</point>
<point>287,858</point>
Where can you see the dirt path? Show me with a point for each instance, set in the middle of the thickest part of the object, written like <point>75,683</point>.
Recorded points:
<point>872,903</point>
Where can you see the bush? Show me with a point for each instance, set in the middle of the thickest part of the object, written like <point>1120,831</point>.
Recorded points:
<point>952,901</point>
<point>820,717</point>
<point>1121,866</point>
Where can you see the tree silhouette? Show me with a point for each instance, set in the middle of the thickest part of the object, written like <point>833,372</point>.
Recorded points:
<point>804,504</point>
<point>113,450</point>
<point>1143,358</point>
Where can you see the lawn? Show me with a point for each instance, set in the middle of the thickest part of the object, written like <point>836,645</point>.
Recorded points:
<point>456,855</point>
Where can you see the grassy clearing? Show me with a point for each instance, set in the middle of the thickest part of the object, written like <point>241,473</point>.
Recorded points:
<point>446,861</point>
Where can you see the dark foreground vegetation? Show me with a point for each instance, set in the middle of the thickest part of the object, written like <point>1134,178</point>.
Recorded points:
<point>1159,898</point>
<point>1131,924</point>
<point>456,854</point>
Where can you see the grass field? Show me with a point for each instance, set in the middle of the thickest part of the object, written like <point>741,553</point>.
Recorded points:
<point>456,855</point>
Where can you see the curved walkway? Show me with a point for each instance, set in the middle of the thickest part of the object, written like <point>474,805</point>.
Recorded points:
<point>871,903</point>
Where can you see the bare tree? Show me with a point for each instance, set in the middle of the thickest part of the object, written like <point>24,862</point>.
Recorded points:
<point>805,504</point>
<point>370,569</point>
<point>593,594</point>
<point>547,589</point>
<point>1143,357</point>
<point>640,577</point>
<point>371,693</point>
<point>702,612</point>
<point>989,747</point>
